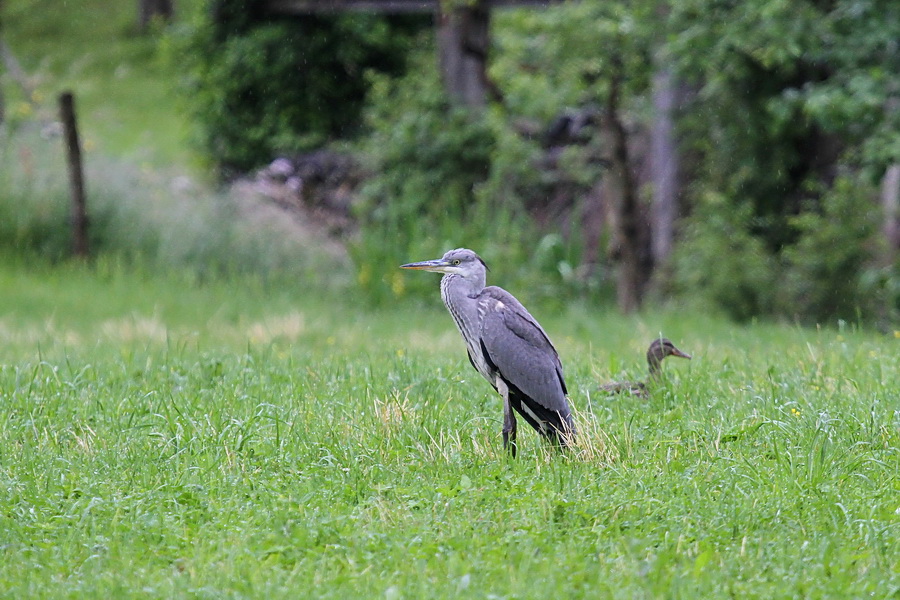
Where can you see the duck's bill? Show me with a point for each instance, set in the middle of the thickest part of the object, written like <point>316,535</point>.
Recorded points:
<point>680,354</point>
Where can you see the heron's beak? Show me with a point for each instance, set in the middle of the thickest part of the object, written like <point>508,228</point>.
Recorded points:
<point>680,354</point>
<point>437,265</point>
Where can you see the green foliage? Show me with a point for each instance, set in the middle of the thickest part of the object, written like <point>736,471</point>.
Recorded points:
<point>427,157</point>
<point>792,99</point>
<point>230,440</point>
<point>720,265</point>
<point>786,103</point>
<point>260,87</point>
<point>567,55</point>
<point>548,62</point>
<point>444,178</point>
<point>858,98</point>
<point>880,285</point>
<point>827,275</point>
<point>824,269</point>
<point>786,91</point>
<point>754,142</point>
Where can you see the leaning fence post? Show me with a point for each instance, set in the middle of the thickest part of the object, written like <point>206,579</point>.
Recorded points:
<point>78,215</point>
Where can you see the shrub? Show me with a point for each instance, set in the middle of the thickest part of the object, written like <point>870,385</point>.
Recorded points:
<point>444,176</point>
<point>881,286</point>
<point>720,265</point>
<point>259,87</point>
<point>824,269</point>
<point>828,274</point>
<point>426,158</point>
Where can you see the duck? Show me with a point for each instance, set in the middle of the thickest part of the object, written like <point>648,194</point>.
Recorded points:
<point>659,349</point>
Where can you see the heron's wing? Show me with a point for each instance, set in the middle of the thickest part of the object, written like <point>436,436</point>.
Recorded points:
<point>522,353</point>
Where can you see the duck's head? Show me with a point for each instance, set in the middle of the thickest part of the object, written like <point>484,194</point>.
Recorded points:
<point>659,349</point>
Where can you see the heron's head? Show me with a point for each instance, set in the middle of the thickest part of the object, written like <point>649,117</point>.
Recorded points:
<point>461,262</point>
<point>660,348</point>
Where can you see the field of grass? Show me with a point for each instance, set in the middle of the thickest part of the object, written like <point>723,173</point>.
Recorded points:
<point>164,439</point>
<point>161,438</point>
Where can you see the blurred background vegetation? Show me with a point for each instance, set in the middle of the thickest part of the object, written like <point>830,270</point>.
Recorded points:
<point>739,157</point>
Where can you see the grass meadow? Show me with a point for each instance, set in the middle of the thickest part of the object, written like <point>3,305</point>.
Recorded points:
<point>163,439</point>
<point>198,436</point>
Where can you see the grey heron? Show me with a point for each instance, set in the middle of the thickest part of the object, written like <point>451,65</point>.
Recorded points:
<point>659,349</point>
<point>507,346</point>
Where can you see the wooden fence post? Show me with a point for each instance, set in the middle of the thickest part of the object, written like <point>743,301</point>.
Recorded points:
<point>78,215</point>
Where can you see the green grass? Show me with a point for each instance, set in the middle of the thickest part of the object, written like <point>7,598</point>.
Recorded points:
<point>164,439</point>
<point>126,94</point>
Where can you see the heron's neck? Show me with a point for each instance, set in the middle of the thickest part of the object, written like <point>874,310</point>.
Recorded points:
<point>460,296</point>
<point>457,285</point>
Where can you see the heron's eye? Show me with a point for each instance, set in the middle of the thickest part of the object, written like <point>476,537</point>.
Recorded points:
<point>456,262</point>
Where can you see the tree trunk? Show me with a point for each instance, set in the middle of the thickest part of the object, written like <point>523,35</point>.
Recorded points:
<point>664,166</point>
<point>2,103</point>
<point>151,9</point>
<point>463,39</point>
<point>628,232</point>
<point>890,202</point>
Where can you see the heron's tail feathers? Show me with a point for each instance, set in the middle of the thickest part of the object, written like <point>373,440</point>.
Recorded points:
<point>557,426</point>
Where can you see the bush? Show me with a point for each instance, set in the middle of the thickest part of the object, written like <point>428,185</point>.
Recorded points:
<point>719,265</point>
<point>443,177</point>
<point>828,274</point>
<point>260,87</point>
<point>426,158</point>
<point>881,286</point>
<point>824,270</point>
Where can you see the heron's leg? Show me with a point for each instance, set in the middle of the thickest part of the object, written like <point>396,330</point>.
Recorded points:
<point>509,419</point>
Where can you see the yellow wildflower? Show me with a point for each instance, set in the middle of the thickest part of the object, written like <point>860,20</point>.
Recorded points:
<point>365,275</point>
<point>22,109</point>
<point>398,285</point>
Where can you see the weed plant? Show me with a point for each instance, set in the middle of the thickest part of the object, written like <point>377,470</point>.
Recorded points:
<point>150,217</point>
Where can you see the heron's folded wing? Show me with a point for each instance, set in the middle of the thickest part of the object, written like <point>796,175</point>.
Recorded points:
<point>523,354</point>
